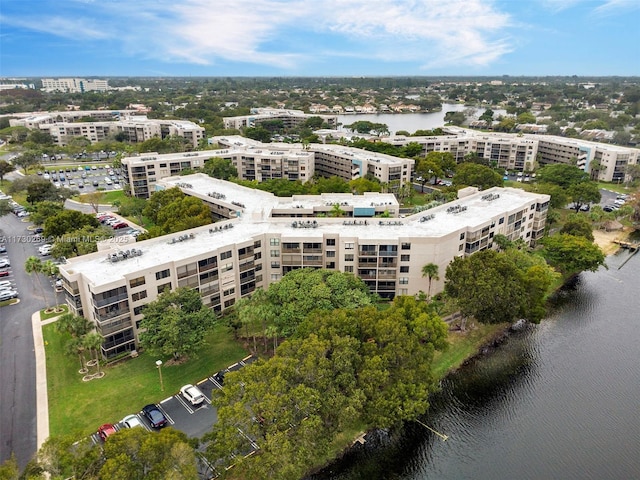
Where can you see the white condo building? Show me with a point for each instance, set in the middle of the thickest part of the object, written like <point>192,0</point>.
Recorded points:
<point>74,85</point>
<point>289,118</point>
<point>258,238</point>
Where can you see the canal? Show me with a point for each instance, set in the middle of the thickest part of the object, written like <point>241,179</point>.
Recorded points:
<point>559,400</point>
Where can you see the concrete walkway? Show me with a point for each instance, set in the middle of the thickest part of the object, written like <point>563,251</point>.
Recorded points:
<point>42,398</point>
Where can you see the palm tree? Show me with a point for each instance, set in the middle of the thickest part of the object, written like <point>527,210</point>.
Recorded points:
<point>74,325</point>
<point>336,211</point>
<point>93,341</point>
<point>430,270</point>
<point>34,265</point>
<point>76,347</point>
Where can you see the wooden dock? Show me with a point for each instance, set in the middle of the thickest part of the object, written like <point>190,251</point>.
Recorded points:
<point>628,245</point>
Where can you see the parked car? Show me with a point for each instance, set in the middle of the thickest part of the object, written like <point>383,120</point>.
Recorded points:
<point>38,230</point>
<point>4,262</point>
<point>3,249</point>
<point>96,183</point>
<point>45,249</point>
<point>131,421</point>
<point>4,273</point>
<point>219,377</point>
<point>106,431</point>
<point>8,295</point>
<point>154,415</point>
<point>119,225</point>
<point>192,394</point>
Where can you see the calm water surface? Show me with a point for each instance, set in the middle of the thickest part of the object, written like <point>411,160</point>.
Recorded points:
<point>560,400</point>
<point>412,121</point>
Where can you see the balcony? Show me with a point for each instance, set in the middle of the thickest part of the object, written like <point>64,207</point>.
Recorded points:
<point>108,300</point>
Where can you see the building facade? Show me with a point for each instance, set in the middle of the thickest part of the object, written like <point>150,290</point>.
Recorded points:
<point>289,118</point>
<point>74,85</point>
<point>260,237</point>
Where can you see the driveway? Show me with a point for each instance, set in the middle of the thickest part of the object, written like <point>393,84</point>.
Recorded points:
<point>17,360</point>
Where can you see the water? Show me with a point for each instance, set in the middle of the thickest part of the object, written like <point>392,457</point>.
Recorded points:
<point>413,121</point>
<point>560,400</point>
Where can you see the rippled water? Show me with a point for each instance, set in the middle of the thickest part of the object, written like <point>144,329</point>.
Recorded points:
<point>560,400</point>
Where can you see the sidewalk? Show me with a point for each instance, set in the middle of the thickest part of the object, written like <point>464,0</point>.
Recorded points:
<point>42,399</point>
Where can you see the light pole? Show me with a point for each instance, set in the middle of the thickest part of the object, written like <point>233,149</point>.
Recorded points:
<point>159,365</point>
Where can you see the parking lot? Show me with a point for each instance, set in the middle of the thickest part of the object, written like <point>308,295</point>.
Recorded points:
<point>84,178</point>
<point>194,421</point>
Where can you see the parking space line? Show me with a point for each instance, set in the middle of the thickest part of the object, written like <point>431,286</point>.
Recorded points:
<point>184,404</point>
<point>171,421</point>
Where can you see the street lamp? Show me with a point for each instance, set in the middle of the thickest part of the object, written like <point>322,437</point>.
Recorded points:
<point>159,365</point>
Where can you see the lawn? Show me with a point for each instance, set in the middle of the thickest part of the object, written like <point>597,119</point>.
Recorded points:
<point>79,408</point>
<point>107,197</point>
<point>46,316</point>
<point>463,345</point>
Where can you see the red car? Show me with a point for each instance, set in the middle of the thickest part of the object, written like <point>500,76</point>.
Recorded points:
<point>106,430</point>
<point>4,273</point>
<point>118,225</point>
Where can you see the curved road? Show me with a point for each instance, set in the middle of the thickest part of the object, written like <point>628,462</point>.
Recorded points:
<point>18,408</point>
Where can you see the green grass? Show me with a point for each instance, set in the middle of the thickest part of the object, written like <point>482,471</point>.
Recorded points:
<point>78,408</point>
<point>107,197</point>
<point>463,345</point>
<point>617,187</point>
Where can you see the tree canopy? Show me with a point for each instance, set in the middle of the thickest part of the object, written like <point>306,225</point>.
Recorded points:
<point>220,168</point>
<point>572,254</point>
<point>341,367</point>
<point>173,211</point>
<point>473,174</point>
<point>496,287</point>
<point>175,323</point>
<point>561,174</point>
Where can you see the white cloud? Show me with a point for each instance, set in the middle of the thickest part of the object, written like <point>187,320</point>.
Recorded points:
<point>425,32</point>
<point>78,28</point>
<point>611,7</point>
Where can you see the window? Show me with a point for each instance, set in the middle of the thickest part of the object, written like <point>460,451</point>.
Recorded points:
<point>403,281</point>
<point>404,269</point>
<point>139,296</point>
<point>225,255</point>
<point>348,257</point>
<point>501,221</point>
<point>257,244</point>
<point>163,287</point>
<point>405,258</point>
<point>275,253</point>
<point>274,242</point>
<point>462,236</point>
<point>331,254</point>
<point>275,276</point>
<point>136,282</point>
<point>231,291</point>
<point>460,247</point>
<point>406,246</point>
<point>208,263</point>
<point>229,303</point>
<point>348,268</point>
<point>226,267</point>
<point>162,274</point>
<point>349,246</point>
<point>275,264</point>
<point>138,311</point>
<point>331,242</point>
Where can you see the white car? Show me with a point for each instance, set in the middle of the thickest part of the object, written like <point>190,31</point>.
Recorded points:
<point>192,394</point>
<point>4,262</point>
<point>5,284</point>
<point>45,249</point>
<point>8,295</point>
<point>131,421</point>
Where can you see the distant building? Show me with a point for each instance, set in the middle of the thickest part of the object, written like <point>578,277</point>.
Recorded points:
<point>289,118</point>
<point>74,85</point>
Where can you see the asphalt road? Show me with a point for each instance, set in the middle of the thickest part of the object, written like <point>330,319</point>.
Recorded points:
<point>17,360</point>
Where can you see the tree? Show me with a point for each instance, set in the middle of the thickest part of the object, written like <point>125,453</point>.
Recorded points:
<point>472,174</point>
<point>220,168</point>
<point>9,470</point>
<point>5,167</point>
<point>526,117</point>
<point>583,193</point>
<point>426,169</point>
<point>41,190</point>
<point>301,291</point>
<point>34,265</point>
<point>43,210</point>
<point>561,174</point>
<point>487,116</point>
<point>430,270</point>
<point>579,226</point>
<point>363,184</point>
<point>26,160</point>
<point>493,286</point>
<point>175,323</point>
<point>571,254</point>
<point>94,198</point>
<point>68,221</point>
<point>5,208</point>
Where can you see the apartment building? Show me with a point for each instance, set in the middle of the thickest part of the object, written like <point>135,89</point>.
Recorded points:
<point>74,85</point>
<point>289,118</point>
<point>265,237</point>
<point>524,152</point>
<point>62,126</point>
<point>257,161</point>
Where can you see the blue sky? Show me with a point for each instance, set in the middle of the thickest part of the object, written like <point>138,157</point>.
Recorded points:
<point>318,37</point>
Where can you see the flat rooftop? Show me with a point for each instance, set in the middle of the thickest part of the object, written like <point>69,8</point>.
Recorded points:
<point>471,212</point>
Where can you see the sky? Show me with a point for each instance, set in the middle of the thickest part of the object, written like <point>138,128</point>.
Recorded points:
<point>319,37</point>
